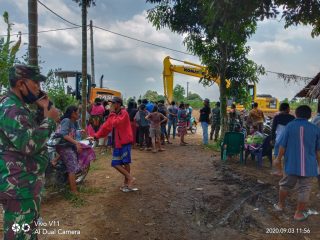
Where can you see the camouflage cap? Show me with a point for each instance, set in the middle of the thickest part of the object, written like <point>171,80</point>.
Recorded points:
<point>26,71</point>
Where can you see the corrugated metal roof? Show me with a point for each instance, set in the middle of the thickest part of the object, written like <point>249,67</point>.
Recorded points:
<point>312,90</point>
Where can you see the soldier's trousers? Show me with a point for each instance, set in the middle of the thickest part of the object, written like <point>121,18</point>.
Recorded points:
<point>215,129</point>
<point>19,218</point>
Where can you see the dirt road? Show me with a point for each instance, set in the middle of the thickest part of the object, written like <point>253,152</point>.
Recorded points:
<point>185,193</point>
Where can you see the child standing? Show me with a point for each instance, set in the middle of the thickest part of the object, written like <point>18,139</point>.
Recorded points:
<point>118,123</point>
<point>156,119</point>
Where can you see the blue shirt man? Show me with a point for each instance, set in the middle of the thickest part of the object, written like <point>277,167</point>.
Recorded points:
<point>172,116</point>
<point>300,144</point>
<point>301,139</point>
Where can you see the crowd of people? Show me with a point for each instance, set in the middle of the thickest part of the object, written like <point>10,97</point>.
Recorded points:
<point>146,125</point>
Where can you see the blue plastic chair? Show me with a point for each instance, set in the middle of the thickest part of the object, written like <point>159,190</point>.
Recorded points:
<point>233,144</point>
<point>265,149</point>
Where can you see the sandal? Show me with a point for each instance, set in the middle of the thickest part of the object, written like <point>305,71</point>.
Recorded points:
<point>127,189</point>
<point>304,217</point>
<point>161,150</point>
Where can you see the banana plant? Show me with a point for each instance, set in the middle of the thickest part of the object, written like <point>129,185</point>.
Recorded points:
<point>8,51</point>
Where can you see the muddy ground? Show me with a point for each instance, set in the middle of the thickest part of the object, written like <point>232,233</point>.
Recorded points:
<point>185,192</point>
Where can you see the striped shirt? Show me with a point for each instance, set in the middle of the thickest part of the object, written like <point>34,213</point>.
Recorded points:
<point>301,139</point>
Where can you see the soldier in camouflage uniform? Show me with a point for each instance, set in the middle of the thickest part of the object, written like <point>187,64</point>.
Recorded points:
<point>215,122</point>
<point>23,157</point>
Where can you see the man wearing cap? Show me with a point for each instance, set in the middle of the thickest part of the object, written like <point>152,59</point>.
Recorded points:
<point>118,123</point>
<point>204,119</point>
<point>23,156</point>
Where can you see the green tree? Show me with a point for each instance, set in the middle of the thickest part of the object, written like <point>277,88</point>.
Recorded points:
<point>84,5</point>
<point>55,88</point>
<point>151,95</point>
<point>294,12</point>
<point>217,31</point>
<point>8,51</point>
<point>178,93</point>
<point>194,96</point>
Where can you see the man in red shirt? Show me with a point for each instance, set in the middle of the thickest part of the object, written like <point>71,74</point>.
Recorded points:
<point>118,123</point>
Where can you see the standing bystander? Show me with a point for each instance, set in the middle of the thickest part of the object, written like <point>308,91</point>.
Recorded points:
<point>256,116</point>
<point>316,121</point>
<point>23,156</point>
<point>183,119</point>
<point>279,123</point>
<point>144,127</point>
<point>118,123</point>
<point>156,119</point>
<point>172,116</point>
<point>204,119</point>
<point>215,123</point>
<point>300,146</point>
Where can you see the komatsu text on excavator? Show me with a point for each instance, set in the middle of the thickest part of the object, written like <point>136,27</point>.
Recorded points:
<point>266,103</point>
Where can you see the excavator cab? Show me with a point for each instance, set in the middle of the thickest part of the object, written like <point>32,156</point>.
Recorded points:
<point>73,80</point>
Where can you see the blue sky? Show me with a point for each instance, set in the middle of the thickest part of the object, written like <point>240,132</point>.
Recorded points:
<point>133,67</point>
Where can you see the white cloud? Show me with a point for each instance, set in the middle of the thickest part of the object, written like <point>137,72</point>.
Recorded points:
<point>150,80</point>
<point>273,47</point>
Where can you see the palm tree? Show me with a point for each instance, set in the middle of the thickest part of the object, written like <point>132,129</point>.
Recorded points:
<point>84,5</point>
<point>33,32</point>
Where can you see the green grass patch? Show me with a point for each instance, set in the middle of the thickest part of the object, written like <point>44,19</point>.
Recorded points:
<point>215,146</point>
<point>76,200</point>
<point>89,190</point>
<point>94,166</point>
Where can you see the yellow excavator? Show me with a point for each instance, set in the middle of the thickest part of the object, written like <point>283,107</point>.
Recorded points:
<point>190,69</point>
<point>266,103</point>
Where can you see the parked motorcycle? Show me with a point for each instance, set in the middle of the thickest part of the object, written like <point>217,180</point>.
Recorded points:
<point>267,126</point>
<point>56,174</point>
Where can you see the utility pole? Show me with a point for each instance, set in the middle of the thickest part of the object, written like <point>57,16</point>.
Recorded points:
<point>33,32</point>
<point>84,63</point>
<point>187,90</point>
<point>92,54</point>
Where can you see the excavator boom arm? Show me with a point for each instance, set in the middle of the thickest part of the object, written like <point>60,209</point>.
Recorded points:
<point>190,69</point>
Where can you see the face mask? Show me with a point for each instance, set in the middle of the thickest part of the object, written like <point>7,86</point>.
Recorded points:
<point>30,98</point>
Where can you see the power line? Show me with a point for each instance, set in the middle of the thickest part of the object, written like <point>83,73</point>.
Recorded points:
<point>58,15</point>
<point>139,40</point>
<point>119,34</point>
<point>45,31</point>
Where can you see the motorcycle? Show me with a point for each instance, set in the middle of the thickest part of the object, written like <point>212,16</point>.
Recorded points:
<point>192,125</point>
<point>267,126</point>
<point>56,173</point>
